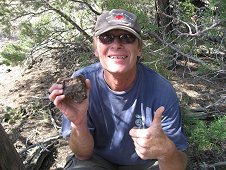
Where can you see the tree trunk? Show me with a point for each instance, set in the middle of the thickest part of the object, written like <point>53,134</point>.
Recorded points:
<point>163,12</point>
<point>9,158</point>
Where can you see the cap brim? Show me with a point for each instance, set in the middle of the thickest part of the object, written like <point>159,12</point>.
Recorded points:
<point>101,31</point>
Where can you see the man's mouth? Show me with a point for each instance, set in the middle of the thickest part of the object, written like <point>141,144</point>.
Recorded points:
<point>117,57</point>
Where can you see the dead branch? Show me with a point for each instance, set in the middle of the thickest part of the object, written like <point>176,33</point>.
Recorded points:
<point>198,33</point>
<point>214,166</point>
<point>218,102</point>
<point>200,77</point>
<point>41,144</point>
<point>153,34</point>
<point>35,154</point>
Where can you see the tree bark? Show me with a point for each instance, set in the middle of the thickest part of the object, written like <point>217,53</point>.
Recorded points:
<point>163,12</point>
<point>9,158</point>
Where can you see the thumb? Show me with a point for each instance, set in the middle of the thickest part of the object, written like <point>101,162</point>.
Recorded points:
<point>158,115</point>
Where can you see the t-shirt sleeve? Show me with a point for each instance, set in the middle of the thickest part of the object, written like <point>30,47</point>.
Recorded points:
<point>172,126</point>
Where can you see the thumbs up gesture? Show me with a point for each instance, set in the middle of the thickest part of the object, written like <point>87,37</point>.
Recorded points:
<point>152,143</point>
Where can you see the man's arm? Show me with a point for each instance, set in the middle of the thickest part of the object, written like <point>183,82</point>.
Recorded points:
<point>81,141</point>
<point>173,159</point>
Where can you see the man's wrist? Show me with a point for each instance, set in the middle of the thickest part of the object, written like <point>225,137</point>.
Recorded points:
<point>173,157</point>
<point>81,121</point>
<point>170,151</point>
<point>79,124</point>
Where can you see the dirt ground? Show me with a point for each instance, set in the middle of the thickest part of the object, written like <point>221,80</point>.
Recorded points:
<point>24,91</point>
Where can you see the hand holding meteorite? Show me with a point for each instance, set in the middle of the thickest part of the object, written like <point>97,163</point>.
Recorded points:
<point>70,97</point>
<point>74,88</point>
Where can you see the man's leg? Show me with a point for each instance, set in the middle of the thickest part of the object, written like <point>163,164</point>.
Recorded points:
<point>94,163</point>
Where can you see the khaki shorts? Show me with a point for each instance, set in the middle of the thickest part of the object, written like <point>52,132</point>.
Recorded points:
<point>98,163</point>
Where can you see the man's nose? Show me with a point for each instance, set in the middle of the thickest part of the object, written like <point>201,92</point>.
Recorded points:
<point>117,42</point>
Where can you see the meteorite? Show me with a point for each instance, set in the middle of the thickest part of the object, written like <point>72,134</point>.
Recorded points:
<point>74,88</point>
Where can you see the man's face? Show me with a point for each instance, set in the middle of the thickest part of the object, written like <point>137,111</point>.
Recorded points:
<point>117,56</point>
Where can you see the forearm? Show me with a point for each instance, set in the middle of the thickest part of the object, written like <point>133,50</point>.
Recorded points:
<point>177,160</point>
<point>81,141</point>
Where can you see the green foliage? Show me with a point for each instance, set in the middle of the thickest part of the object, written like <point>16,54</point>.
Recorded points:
<point>39,30</point>
<point>157,63</point>
<point>5,18</point>
<point>200,137</point>
<point>84,59</point>
<point>14,53</point>
<point>204,136</point>
<point>210,68</point>
<point>12,115</point>
<point>42,25</point>
<point>33,110</point>
<point>204,69</point>
<point>218,7</point>
<point>217,130</point>
<point>187,9</point>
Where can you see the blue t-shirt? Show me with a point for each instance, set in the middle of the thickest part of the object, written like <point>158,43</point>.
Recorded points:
<point>112,114</point>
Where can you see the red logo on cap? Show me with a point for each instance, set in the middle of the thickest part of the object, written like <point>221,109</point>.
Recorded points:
<point>119,17</point>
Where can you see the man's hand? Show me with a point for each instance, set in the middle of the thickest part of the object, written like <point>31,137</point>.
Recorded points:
<point>152,143</point>
<point>80,141</point>
<point>75,112</point>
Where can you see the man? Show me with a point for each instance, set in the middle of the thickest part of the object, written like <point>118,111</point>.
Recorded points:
<point>131,119</point>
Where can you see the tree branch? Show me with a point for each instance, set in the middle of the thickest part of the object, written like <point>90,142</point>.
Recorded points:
<point>175,48</point>
<point>49,140</point>
<point>66,17</point>
<point>88,5</point>
<point>197,33</point>
<point>29,13</point>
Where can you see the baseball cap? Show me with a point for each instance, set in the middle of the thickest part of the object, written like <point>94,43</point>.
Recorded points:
<point>117,19</point>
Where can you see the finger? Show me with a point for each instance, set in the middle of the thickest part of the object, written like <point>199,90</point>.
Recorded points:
<point>54,87</point>
<point>158,115</point>
<point>141,142</point>
<point>55,93</point>
<point>139,133</point>
<point>58,100</point>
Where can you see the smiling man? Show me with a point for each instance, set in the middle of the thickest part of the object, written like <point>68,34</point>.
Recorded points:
<point>131,118</point>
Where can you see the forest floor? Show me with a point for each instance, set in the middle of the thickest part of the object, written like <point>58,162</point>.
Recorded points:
<point>28,120</point>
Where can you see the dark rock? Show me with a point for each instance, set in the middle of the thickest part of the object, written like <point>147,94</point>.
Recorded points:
<point>74,88</point>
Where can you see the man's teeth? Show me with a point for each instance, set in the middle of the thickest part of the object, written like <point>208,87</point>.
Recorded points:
<point>118,57</point>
